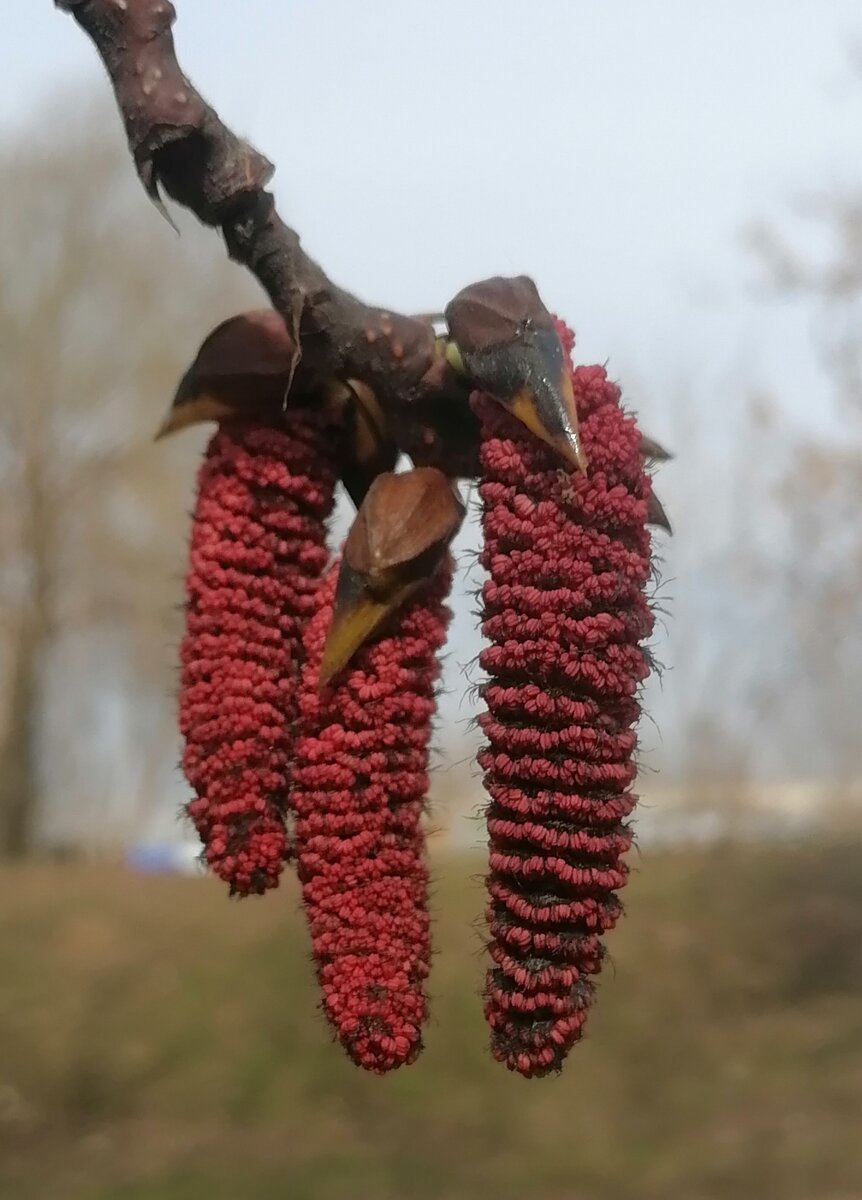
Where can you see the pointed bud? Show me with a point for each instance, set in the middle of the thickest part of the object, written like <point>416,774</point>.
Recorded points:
<point>243,369</point>
<point>651,449</point>
<point>656,514</point>
<point>504,336</point>
<point>395,545</point>
<point>369,449</point>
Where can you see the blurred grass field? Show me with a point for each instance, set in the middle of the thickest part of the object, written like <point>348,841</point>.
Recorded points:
<point>158,1042</point>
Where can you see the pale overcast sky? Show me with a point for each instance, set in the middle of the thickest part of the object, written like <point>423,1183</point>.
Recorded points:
<point>613,151</point>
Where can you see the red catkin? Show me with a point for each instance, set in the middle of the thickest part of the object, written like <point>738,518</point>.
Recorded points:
<point>360,778</point>
<point>257,553</point>
<point>565,614</point>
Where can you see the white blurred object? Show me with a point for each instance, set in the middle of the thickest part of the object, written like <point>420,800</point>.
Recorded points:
<point>166,858</point>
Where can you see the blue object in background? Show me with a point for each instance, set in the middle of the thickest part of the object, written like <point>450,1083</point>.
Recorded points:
<point>165,858</point>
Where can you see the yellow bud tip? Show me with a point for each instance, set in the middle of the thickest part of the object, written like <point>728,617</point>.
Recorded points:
<point>553,419</point>
<point>454,359</point>
<point>198,411</point>
<point>355,619</point>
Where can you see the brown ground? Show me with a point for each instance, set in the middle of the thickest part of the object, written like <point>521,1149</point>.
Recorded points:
<point>158,1042</point>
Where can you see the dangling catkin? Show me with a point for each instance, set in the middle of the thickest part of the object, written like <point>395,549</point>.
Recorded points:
<point>565,613</point>
<point>360,779</point>
<point>257,552</point>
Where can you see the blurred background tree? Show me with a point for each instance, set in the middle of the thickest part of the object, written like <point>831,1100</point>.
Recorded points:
<point>157,1042</point>
<point>100,311</point>
<point>811,557</point>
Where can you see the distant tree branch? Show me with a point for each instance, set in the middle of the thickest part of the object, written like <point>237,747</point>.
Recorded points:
<point>181,146</point>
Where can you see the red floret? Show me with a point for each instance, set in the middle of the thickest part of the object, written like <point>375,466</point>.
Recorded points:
<point>257,553</point>
<point>360,779</point>
<point>565,613</point>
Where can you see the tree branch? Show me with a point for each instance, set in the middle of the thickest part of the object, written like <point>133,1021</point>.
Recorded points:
<point>181,146</point>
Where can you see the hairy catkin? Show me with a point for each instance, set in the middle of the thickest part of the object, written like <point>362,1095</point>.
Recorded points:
<point>257,553</point>
<point>360,779</point>
<point>565,614</point>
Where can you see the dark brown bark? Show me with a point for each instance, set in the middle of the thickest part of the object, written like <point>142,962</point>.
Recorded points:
<point>181,146</point>
<point>19,751</point>
<point>20,790</point>
<point>20,786</point>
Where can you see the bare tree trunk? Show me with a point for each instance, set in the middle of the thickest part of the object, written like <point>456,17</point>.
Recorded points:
<point>19,750</point>
<point>20,789</point>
